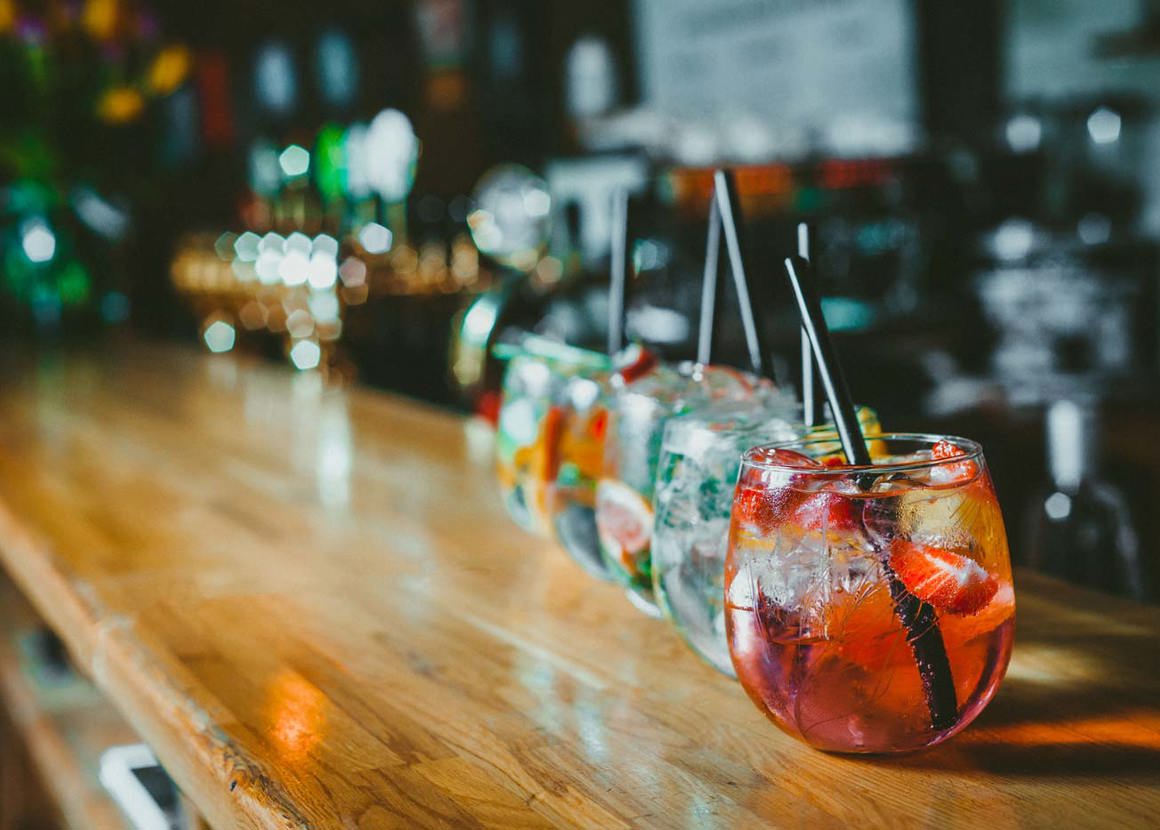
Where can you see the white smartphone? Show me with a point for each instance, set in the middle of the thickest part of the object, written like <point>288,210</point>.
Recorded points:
<point>142,789</point>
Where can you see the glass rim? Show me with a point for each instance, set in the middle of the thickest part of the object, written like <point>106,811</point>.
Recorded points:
<point>972,451</point>
<point>696,421</point>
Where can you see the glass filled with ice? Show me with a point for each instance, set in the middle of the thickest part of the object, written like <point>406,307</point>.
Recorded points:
<point>869,609</point>
<point>700,457</point>
<point>531,422</point>
<point>580,460</point>
<point>640,407</point>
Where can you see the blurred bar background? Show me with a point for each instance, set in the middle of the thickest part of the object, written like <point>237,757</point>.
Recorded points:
<point>380,191</point>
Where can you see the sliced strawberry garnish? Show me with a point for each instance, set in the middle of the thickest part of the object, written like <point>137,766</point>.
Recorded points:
<point>944,449</point>
<point>752,506</point>
<point>766,508</point>
<point>598,425</point>
<point>826,511</point>
<point>637,362</point>
<point>550,433</point>
<point>624,523</point>
<point>949,581</point>
<point>954,473</point>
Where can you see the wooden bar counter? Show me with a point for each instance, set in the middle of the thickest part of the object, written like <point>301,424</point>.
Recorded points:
<point>310,603</point>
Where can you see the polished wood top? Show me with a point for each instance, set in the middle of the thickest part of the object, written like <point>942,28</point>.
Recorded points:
<point>310,602</point>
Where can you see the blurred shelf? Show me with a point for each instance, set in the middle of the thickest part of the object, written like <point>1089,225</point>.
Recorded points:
<point>64,726</point>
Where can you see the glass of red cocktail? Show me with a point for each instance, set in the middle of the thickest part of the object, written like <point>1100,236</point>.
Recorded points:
<point>869,608</point>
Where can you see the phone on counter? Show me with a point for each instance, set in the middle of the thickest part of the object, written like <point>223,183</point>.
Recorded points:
<point>141,787</point>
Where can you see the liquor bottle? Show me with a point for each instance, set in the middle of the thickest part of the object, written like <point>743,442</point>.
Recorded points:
<point>1081,529</point>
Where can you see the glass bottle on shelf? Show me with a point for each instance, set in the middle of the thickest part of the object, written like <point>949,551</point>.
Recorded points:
<point>1081,529</point>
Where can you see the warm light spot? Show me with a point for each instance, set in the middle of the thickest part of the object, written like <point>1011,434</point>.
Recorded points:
<point>120,105</point>
<point>7,15</point>
<point>253,315</point>
<point>353,272</point>
<point>1140,727</point>
<point>170,68</point>
<point>355,294</point>
<point>299,324</point>
<point>99,18</point>
<point>297,716</point>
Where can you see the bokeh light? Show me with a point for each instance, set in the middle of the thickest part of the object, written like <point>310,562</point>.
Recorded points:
<point>375,238</point>
<point>305,354</point>
<point>294,161</point>
<point>38,241</point>
<point>219,336</point>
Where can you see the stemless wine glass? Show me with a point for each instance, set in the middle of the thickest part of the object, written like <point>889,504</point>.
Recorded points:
<point>869,609</point>
<point>530,422</point>
<point>637,414</point>
<point>580,460</point>
<point>699,457</point>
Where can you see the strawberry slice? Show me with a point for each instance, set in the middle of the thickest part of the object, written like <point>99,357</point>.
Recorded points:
<point>624,524</point>
<point>598,424</point>
<point>766,508</point>
<point>826,511</point>
<point>955,473</point>
<point>755,507</point>
<point>635,362</point>
<point>944,449</point>
<point>949,581</point>
<point>549,438</point>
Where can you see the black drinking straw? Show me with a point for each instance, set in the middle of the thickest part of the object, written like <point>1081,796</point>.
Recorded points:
<point>811,413</point>
<point>917,617</point>
<point>618,275</point>
<point>833,378</point>
<point>711,286</point>
<point>729,205</point>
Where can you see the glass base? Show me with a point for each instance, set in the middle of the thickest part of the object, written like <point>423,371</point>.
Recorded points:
<point>649,609</point>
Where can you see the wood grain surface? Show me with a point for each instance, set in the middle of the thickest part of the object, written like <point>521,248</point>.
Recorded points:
<point>64,726</point>
<point>310,602</point>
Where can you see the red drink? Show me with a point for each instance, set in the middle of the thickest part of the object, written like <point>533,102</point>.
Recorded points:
<point>869,609</point>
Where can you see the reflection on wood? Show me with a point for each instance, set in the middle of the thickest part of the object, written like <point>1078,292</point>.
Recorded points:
<point>311,605</point>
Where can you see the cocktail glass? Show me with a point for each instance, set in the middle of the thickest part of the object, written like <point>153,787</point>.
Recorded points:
<point>530,423</point>
<point>869,609</point>
<point>637,415</point>
<point>700,456</point>
<point>580,460</point>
